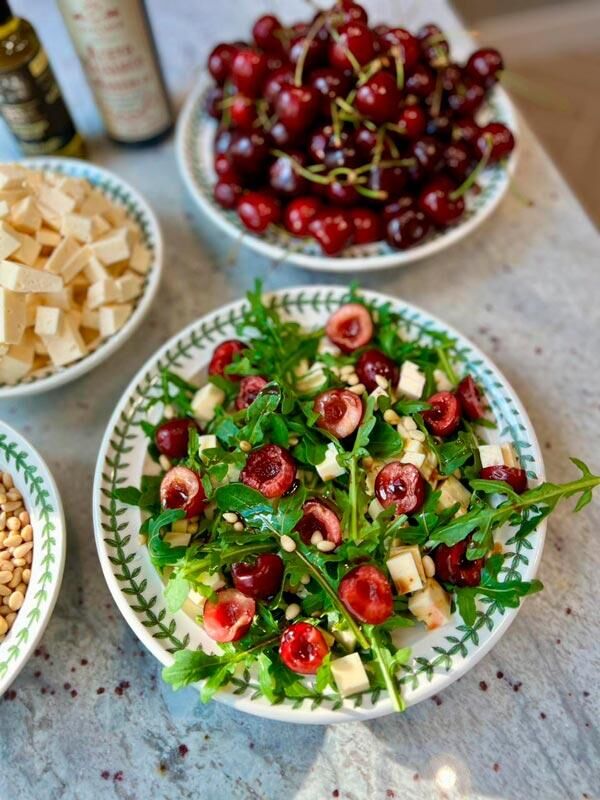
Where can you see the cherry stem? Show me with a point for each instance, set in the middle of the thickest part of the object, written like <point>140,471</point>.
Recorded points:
<point>348,53</point>
<point>472,177</point>
<point>399,61</point>
<point>300,170</point>
<point>308,40</point>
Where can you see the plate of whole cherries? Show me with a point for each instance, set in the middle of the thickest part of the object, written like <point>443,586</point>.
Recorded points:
<point>339,145</point>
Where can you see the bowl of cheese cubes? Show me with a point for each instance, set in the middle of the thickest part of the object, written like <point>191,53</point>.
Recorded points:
<point>80,263</point>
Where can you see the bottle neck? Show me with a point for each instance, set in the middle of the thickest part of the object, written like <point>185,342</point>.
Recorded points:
<point>5,13</point>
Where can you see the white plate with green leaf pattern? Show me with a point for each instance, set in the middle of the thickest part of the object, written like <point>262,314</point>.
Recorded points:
<point>124,195</point>
<point>194,150</point>
<point>439,657</point>
<point>42,500</point>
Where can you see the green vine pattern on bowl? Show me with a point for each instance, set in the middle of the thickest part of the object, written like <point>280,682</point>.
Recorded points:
<point>203,176</point>
<point>152,612</point>
<point>45,540</point>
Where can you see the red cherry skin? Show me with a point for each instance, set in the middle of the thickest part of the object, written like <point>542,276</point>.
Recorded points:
<point>297,107</point>
<point>405,44</point>
<point>367,594</point>
<point>453,566</point>
<point>213,102</point>
<point>402,486</point>
<point>515,477</point>
<point>436,202</point>
<point>303,648</point>
<point>367,225</point>
<point>265,32</point>
<point>274,84</point>
<point>350,327</point>
<point>223,167</point>
<point>270,470</point>
<point>458,160</point>
<point>378,98</point>
<point>340,412</point>
<point>471,400</point>
<point>248,70</point>
<point>258,210</point>
<point>374,363</point>
<point>329,83</point>
<point>332,230</point>
<point>229,617</point>
<point>434,44</point>
<point>260,580</point>
<point>421,82</point>
<point>465,130</point>
<point>300,213</point>
<point>484,65</point>
<point>317,516</point>
<point>353,37</point>
<point>412,121</point>
<point>407,229</point>
<point>467,98</point>
<point>182,488</point>
<point>227,193</point>
<point>443,418</point>
<point>284,177</point>
<point>171,438</point>
<point>352,11</point>
<point>223,355</point>
<point>333,151</point>
<point>503,141</point>
<point>398,206</point>
<point>250,388</point>
<point>243,113</point>
<point>342,194</point>
<point>248,152</point>
<point>428,153</point>
<point>220,61</point>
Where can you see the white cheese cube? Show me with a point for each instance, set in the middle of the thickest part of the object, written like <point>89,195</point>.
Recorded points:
<point>4,209</point>
<point>19,278</point>
<point>329,468</point>
<point>404,573</point>
<point>175,539</point>
<point>490,455</point>
<point>442,383</point>
<point>375,508</point>
<point>48,320</point>
<point>77,188</point>
<point>48,238</point>
<point>15,364</point>
<point>67,346</point>
<point>207,441</point>
<point>94,203</point>
<point>12,316</point>
<point>9,243</point>
<point>212,580</point>
<point>327,346</point>
<point>12,196</point>
<point>29,248</point>
<point>50,218</point>
<point>430,605</point>
<point>114,247</point>
<point>414,551</point>
<point>113,317</point>
<point>95,271</point>
<point>415,458</point>
<point>77,226</point>
<point>206,400</point>
<point>25,216</point>
<point>11,177</point>
<point>63,253</point>
<point>233,473</point>
<point>452,492</point>
<point>140,259</point>
<point>60,202</point>
<point>345,637</point>
<point>310,378</point>
<point>377,392</point>
<point>509,456</point>
<point>413,446</point>
<point>75,264</point>
<point>90,319</point>
<point>116,215</point>
<point>412,381</point>
<point>100,227</point>
<point>101,293</point>
<point>62,299</point>
<point>129,286</point>
<point>349,675</point>
<point>180,526</point>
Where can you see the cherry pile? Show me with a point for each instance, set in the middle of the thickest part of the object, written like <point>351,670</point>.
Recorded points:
<point>349,133</point>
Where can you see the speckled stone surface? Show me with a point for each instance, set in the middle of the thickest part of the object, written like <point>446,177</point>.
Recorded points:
<point>89,718</point>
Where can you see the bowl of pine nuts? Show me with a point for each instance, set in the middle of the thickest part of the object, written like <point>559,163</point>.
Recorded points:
<point>32,550</point>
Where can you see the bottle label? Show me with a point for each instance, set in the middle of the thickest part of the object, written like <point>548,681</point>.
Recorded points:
<point>114,44</point>
<point>33,108</point>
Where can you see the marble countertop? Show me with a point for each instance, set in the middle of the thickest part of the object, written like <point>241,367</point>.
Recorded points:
<point>88,717</point>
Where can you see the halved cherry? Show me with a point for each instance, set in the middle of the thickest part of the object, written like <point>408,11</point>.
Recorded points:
<point>402,486</point>
<point>270,469</point>
<point>224,354</point>
<point>340,412</point>
<point>471,399</point>
<point>259,580</point>
<point>443,418</point>
<point>303,648</point>
<point>250,388</point>
<point>350,327</point>
<point>367,595</point>
<point>515,477</point>
<point>317,516</point>
<point>453,566</point>
<point>228,618</point>
<point>182,488</point>
<point>171,438</point>
<point>373,363</point>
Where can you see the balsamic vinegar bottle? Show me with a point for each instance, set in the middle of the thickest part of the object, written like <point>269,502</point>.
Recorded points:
<point>114,42</point>
<point>30,99</point>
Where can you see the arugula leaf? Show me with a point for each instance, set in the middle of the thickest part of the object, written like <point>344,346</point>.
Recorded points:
<point>406,408</point>
<point>386,664</point>
<point>258,414</point>
<point>452,455</point>
<point>384,441</point>
<point>160,552</point>
<point>176,592</point>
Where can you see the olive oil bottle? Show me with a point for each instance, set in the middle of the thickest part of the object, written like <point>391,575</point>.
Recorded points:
<point>31,102</point>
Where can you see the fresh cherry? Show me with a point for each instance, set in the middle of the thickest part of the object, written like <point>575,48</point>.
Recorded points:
<point>353,38</point>
<point>412,121</point>
<point>402,43</point>
<point>228,617</point>
<point>258,210</point>
<point>261,579</point>
<point>389,181</point>
<point>484,65</point>
<point>284,177</point>
<point>303,648</point>
<point>458,160</point>
<point>248,153</point>
<point>398,206</point>
<point>402,486</point>
<point>465,130</point>
<point>227,193</point>
<point>250,388</point>
<point>353,12</point>
<point>214,102</point>
<point>378,98</point>
<point>297,107</point>
<point>267,34</point>
<point>434,44</point>
<point>317,516</point>
<point>367,594</point>
<point>453,566</point>
<point>420,82</point>
<point>428,154</point>
<point>182,488</point>
<point>331,149</point>
<point>373,364</point>
<point>329,83</point>
<point>437,203</point>
<point>284,76</point>
<point>224,168</point>
<point>270,469</point>
<point>332,230</point>
<point>471,400</point>
<point>407,229</point>
<point>340,412</point>
<point>515,477</point>
<point>243,113</point>
<point>171,438</point>
<point>225,354</point>
<point>367,226</point>
<point>314,53</point>
<point>502,140</point>
<point>467,97</point>
<point>220,61</point>
<point>443,418</point>
<point>350,327</point>
<point>342,193</point>
<point>248,70</point>
<point>300,213</point>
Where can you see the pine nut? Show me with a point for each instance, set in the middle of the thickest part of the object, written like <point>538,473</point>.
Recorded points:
<point>27,533</point>
<point>409,423</point>
<point>3,497</point>
<point>22,549</point>
<point>5,576</point>
<point>13,524</point>
<point>16,556</point>
<point>239,527</point>
<point>230,517</point>
<point>5,555</point>
<point>292,611</point>
<point>326,546</point>
<point>316,538</point>
<point>4,591</point>
<point>382,381</point>
<point>164,462</point>
<point>7,480</point>
<point>287,544</point>
<point>15,601</point>
<point>2,516</point>
<point>168,412</point>
<point>16,578</point>
<point>14,494</point>
<point>10,507</point>
<point>3,626</point>
<point>14,540</point>
<point>391,417</point>
<point>19,562</point>
<point>358,389</point>
<point>428,566</point>
<point>24,518</point>
<point>8,565</point>
<point>4,609</point>
<point>417,436</point>
<point>305,579</point>
<point>353,380</point>
<point>26,576</point>
<point>245,446</point>
<point>10,618</point>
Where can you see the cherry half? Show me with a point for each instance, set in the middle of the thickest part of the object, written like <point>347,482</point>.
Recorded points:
<point>374,363</point>
<point>453,566</point>
<point>225,354</point>
<point>350,327</point>
<point>261,579</point>
<point>471,399</point>
<point>443,418</point>
<point>171,438</point>
<point>270,469</point>
<point>317,516</point>
<point>303,648</point>
<point>402,486</point>
<point>182,488</point>
<point>250,388</point>
<point>515,477</point>
<point>367,594</point>
<point>228,617</point>
<point>340,412</point>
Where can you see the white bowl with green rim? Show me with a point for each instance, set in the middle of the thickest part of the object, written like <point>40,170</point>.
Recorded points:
<point>41,499</point>
<point>122,194</point>
<point>439,657</point>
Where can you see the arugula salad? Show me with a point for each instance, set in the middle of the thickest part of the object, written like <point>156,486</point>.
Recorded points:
<point>321,492</point>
